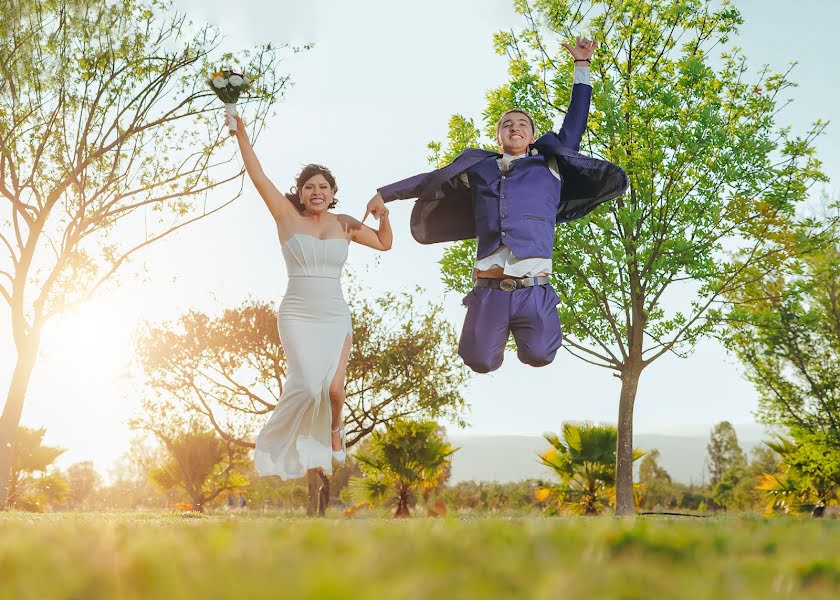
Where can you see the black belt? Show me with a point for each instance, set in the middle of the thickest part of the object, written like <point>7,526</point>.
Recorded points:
<point>510,284</point>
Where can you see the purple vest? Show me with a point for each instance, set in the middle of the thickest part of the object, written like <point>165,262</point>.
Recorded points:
<point>517,208</point>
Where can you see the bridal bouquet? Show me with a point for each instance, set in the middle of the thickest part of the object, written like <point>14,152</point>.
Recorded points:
<point>228,86</point>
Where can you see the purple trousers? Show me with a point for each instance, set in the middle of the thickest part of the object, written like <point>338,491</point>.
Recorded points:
<point>492,315</point>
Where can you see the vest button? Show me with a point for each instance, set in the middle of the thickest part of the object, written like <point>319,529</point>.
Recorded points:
<point>503,234</point>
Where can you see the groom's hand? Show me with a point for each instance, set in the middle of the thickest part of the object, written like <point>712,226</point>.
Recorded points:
<point>583,48</point>
<point>376,207</point>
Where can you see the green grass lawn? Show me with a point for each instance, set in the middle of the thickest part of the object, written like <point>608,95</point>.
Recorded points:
<point>153,555</point>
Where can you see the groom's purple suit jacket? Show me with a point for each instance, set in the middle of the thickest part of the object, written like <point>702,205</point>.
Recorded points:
<point>445,211</point>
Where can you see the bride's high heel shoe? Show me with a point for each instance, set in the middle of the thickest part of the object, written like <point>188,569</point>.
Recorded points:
<point>340,456</point>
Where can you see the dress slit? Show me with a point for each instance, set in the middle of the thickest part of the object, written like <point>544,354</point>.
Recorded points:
<point>314,323</point>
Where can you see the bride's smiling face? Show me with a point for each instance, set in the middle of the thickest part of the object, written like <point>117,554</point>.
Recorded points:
<point>317,194</point>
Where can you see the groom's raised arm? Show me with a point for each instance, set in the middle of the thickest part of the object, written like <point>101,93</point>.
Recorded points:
<point>574,123</point>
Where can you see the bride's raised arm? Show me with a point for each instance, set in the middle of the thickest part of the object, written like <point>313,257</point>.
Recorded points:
<point>277,203</point>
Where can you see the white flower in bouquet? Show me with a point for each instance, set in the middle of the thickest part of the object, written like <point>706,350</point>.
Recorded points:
<point>228,86</point>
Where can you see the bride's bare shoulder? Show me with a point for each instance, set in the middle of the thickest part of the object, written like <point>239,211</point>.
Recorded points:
<point>348,223</point>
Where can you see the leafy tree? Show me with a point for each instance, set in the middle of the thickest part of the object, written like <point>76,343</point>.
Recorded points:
<point>725,453</point>
<point>656,487</point>
<point>584,461</point>
<point>400,462</point>
<point>490,495</point>
<point>109,142</point>
<point>715,180</point>
<point>693,497</point>
<point>83,482</point>
<point>200,464</point>
<point>737,486</point>
<point>30,487</point>
<point>130,487</point>
<point>788,339</point>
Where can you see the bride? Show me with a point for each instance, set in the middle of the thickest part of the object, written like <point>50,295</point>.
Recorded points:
<point>305,430</point>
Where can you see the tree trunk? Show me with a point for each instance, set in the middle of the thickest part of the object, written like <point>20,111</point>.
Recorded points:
<point>323,494</point>
<point>318,488</point>
<point>624,503</point>
<point>402,505</point>
<point>312,485</point>
<point>10,419</point>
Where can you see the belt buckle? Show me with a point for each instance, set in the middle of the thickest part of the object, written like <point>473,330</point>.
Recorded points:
<point>507,285</point>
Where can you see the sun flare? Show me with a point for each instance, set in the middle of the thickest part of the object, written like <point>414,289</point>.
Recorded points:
<point>81,389</point>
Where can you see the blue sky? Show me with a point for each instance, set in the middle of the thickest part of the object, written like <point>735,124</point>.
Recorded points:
<point>381,82</point>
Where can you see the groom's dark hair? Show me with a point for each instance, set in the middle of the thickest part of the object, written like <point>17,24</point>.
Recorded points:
<point>310,171</point>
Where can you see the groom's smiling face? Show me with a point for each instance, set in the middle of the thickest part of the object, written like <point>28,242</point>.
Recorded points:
<point>515,132</point>
<point>317,194</point>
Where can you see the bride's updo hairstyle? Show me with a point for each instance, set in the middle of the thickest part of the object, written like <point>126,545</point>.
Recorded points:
<point>310,171</point>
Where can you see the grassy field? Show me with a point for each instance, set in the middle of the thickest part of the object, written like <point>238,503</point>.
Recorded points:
<point>253,556</point>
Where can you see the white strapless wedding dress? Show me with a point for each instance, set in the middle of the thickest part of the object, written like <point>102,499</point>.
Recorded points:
<point>314,324</point>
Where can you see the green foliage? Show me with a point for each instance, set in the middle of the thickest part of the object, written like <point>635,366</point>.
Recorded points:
<point>738,487</point>
<point>724,452</point>
<point>584,461</point>
<point>809,477</point>
<point>462,134</point>
<point>31,488</point>
<point>490,496</point>
<point>788,339</point>
<point>83,482</point>
<point>31,454</point>
<point>405,459</point>
<point>273,492</point>
<point>656,489</point>
<point>200,464</point>
<point>130,487</point>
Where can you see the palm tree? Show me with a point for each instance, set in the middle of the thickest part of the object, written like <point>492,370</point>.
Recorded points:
<point>808,481</point>
<point>406,458</point>
<point>32,456</point>
<point>584,460</point>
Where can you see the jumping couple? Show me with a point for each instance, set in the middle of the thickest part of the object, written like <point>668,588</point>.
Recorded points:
<point>509,202</point>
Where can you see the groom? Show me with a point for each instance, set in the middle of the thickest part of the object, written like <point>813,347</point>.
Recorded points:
<point>511,203</point>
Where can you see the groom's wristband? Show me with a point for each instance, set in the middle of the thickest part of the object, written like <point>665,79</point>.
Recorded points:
<point>586,60</point>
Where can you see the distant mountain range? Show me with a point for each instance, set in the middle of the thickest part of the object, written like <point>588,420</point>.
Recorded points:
<point>514,457</point>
